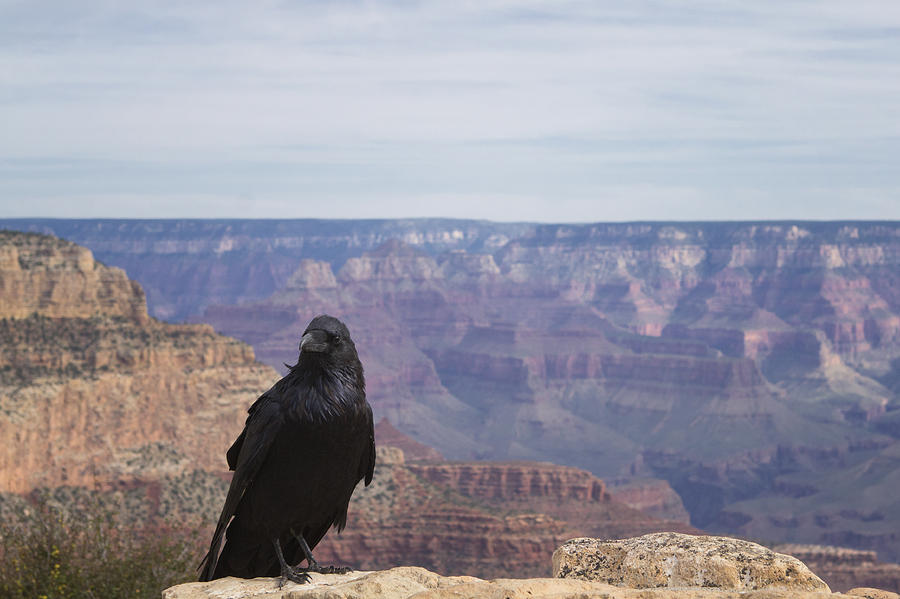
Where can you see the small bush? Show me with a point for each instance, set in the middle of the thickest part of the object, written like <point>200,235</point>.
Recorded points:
<point>47,552</point>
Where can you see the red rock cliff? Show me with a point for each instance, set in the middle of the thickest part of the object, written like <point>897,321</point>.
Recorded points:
<point>90,386</point>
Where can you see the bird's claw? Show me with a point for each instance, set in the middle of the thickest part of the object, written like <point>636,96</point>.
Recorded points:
<point>298,575</point>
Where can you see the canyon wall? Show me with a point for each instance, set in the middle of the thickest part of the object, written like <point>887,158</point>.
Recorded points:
<point>755,367</point>
<point>478,518</point>
<point>99,400</point>
<point>843,568</point>
<point>717,357</point>
<point>92,390</point>
<point>184,265</point>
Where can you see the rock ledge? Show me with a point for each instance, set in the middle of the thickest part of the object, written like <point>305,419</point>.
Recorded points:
<point>417,583</point>
<point>675,560</point>
<point>689,567</point>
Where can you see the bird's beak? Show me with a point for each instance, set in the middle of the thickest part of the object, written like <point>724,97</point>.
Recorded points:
<point>314,341</point>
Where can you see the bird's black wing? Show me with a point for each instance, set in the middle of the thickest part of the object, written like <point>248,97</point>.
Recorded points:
<point>235,450</point>
<point>367,465</point>
<point>365,472</point>
<point>265,420</point>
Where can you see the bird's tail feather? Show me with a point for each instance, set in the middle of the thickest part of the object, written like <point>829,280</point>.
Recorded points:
<point>208,563</point>
<point>246,555</point>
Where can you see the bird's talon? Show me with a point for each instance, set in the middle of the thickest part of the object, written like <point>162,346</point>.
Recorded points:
<point>294,575</point>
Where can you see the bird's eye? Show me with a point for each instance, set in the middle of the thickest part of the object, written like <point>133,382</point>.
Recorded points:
<point>338,340</point>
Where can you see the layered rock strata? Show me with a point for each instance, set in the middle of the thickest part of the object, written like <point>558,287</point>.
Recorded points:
<point>97,398</point>
<point>715,357</point>
<point>844,568</point>
<point>483,519</point>
<point>95,394</point>
<point>753,366</point>
<point>185,265</point>
<point>652,496</point>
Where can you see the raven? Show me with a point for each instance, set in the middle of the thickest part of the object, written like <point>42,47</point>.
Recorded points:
<point>306,444</point>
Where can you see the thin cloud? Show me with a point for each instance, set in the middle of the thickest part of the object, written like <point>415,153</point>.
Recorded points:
<point>557,102</point>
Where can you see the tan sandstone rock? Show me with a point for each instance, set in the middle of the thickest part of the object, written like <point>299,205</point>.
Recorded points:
<point>396,583</point>
<point>676,560</point>
<point>55,278</point>
<point>868,593</point>
<point>418,583</point>
<point>95,395</point>
<point>557,588</point>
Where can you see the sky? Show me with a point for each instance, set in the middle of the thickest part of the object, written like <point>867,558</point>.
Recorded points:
<point>494,109</point>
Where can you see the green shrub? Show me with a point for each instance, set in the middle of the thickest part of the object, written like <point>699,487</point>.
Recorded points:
<point>47,552</point>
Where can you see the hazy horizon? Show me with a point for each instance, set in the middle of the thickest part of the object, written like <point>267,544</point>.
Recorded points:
<point>451,218</point>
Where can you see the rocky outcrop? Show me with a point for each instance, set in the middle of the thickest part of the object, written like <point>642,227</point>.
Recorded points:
<point>395,583</point>
<point>696,567</point>
<point>96,395</point>
<point>46,276</point>
<point>413,582</point>
<point>72,421</point>
<point>671,560</point>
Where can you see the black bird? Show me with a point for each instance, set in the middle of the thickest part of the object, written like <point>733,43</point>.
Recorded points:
<point>306,444</point>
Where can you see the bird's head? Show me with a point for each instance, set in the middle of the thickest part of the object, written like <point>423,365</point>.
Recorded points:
<point>326,336</point>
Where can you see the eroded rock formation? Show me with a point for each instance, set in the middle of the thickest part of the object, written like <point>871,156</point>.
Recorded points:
<point>95,394</point>
<point>750,365</point>
<point>671,560</point>
<point>731,360</point>
<point>480,518</point>
<point>652,496</point>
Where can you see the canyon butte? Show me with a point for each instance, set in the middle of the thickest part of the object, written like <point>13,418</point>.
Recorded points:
<point>752,366</point>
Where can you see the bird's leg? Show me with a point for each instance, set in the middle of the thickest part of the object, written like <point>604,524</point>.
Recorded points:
<point>313,565</point>
<point>307,552</point>
<point>297,575</point>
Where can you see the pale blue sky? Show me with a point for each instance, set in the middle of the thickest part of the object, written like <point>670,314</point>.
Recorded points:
<point>544,111</point>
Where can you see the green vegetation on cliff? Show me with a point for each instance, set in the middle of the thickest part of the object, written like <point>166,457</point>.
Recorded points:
<point>54,553</point>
